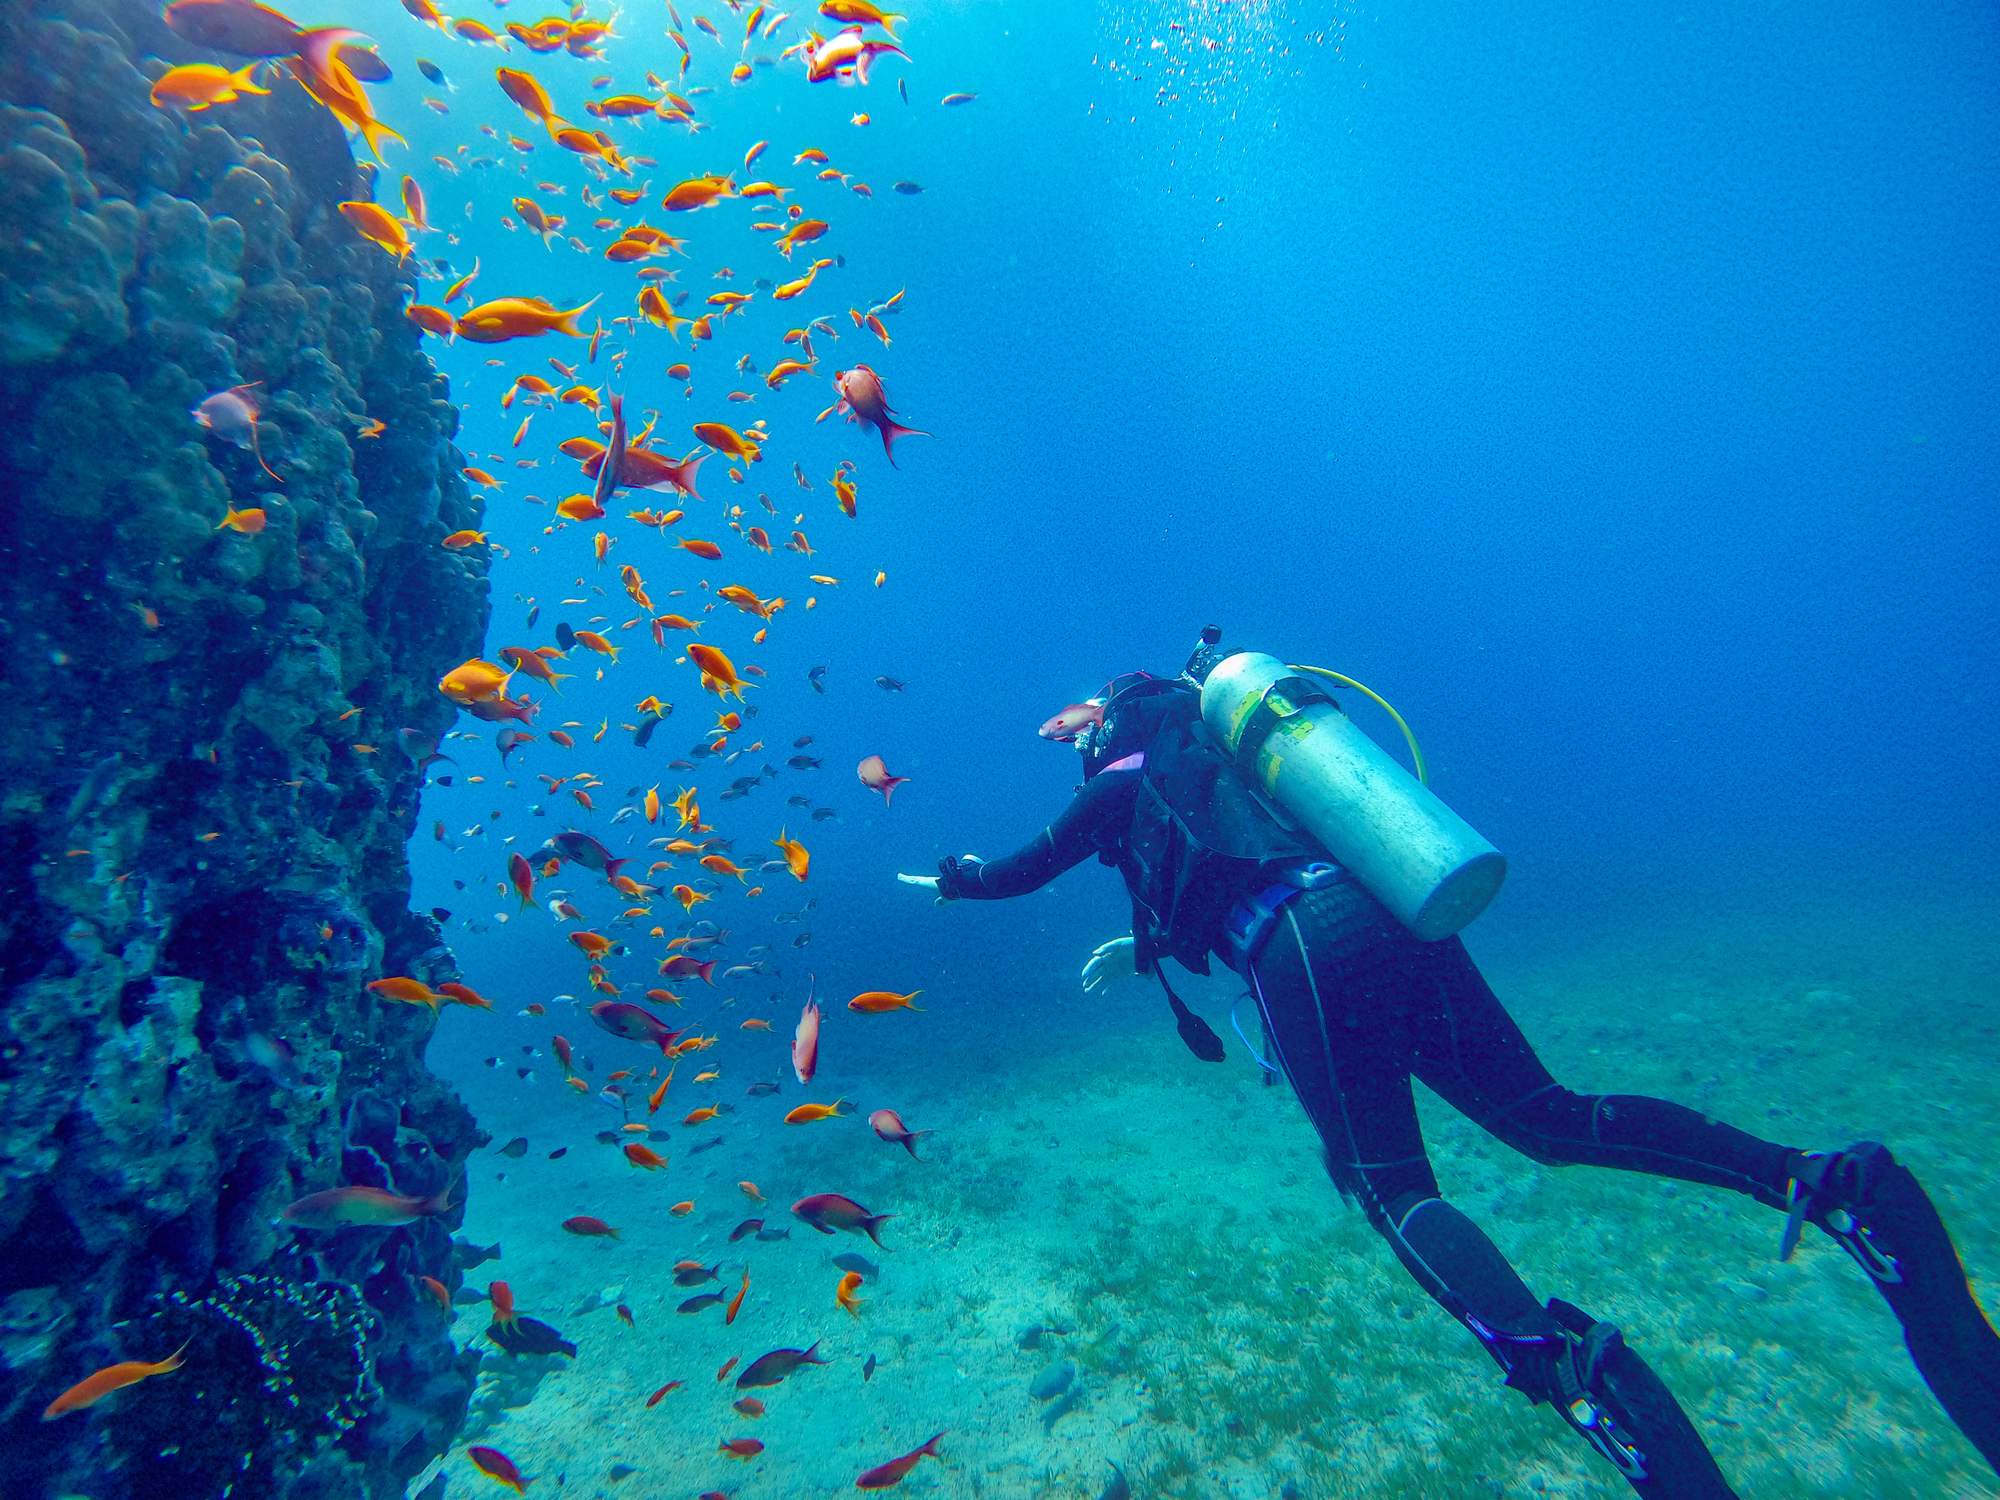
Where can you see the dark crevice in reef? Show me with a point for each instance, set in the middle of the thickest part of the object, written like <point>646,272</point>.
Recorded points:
<point>201,861</point>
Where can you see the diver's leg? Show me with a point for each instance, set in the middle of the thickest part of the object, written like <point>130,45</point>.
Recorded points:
<point>1470,1051</point>
<point>1332,997</point>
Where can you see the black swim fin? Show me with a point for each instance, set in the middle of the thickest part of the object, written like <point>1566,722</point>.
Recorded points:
<point>1876,1210</point>
<point>1198,1034</point>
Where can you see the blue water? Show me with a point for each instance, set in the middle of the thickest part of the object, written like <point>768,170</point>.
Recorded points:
<point>1614,393</point>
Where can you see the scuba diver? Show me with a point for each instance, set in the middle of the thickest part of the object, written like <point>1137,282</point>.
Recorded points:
<point>1253,821</point>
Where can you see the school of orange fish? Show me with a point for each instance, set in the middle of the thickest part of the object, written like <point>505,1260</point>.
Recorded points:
<point>337,67</point>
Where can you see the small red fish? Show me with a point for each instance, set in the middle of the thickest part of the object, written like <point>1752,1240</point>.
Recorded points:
<point>654,1399</point>
<point>497,1465</point>
<point>827,1212</point>
<point>742,1448</point>
<point>875,776</point>
<point>585,1225</point>
<point>95,1388</point>
<point>863,399</point>
<point>805,1044</point>
<point>723,1373</point>
<point>1072,721</point>
<point>893,1471</point>
<point>890,1127</point>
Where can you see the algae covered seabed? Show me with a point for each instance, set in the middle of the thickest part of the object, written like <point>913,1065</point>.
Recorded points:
<point>1236,1330</point>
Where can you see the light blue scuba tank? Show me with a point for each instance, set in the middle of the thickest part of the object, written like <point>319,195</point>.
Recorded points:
<point>1416,856</point>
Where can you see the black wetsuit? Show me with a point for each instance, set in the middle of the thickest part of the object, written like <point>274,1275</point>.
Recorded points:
<point>1355,1006</point>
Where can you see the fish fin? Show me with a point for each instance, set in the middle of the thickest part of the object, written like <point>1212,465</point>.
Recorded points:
<point>891,430</point>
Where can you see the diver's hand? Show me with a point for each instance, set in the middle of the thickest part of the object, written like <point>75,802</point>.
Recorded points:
<point>1110,963</point>
<point>931,882</point>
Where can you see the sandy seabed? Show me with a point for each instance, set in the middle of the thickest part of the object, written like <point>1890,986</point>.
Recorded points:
<point>1165,1228</point>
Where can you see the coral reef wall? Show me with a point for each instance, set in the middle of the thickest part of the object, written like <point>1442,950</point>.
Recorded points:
<point>204,799</point>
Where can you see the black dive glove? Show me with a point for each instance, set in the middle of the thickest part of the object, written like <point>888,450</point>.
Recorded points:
<point>958,877</point>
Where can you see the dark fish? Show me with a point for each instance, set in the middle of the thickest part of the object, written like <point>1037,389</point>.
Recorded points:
<point>607,1138</point>
<point>868,1370</point>
<point>535,613</point>
<point>803,763</point>
<point>903,88</point>
<point>442,781</point>
<point>802,741</point>
<point>492,1062</point>
<point>890,684</point>
<point>802,939</point>
<point>701,1146</point>
<point>364,64</point>
<point>814,678</point>
<point>565,637</point>
<point>767,1235</point>
<point>435,74</point>
<point>761,1090</point>
<point>644,736</point>
<point>516,1148</point>
<point>795,800</point>
<point>706,1299</point>
<point>847,1260</point>
<point>748,1226</point>
<point>558,1153</point>
<point>821,814</point>
<point>1116,1487</point>
<point>528,1336</point>
<point>1053,1381</point>
<point>680,765</point>
<point>524,1072</point>
<point>909,189</point>
<point>696,1275</point>
<point>680,299</point>
<point>763,283</point>
<point>701,751</point>
<point>441,913</point>
<point>465,1255</point>
<point>621,1471</point>
<point>771,1368</point>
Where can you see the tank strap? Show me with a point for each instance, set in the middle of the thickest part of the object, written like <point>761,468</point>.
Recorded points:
<point>1249,925</point>
<point>1282,699</point>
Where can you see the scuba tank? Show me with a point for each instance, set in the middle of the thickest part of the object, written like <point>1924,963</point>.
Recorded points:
<point>1416,856</point>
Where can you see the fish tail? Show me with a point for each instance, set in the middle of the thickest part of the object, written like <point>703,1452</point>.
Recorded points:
<point>910,1142</point>
<point>891,430</point>
<point>173,1361</point>
<point>567,322</point>
<point>372,130</point>
<point>874,1222</point>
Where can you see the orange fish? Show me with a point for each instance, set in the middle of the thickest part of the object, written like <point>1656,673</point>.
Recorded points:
<point>755,1023</point>
<point>723,1373</point>
<point>701,549</point>
<point>844,1293</point>
<point>198,85</point>
<point>247,522</point>
<point>439,1292</point>
<point>408,991</point>
<point>644,1156</point>
<point>90,1391</point>
<point>718,673</point>
<point>745,1448</point>
<point>797,859</point>
<point>806,1114</point>
<point>878,1002</point>
<point>502,1297</point>
<point>702,1115</point>
<point>595,642</point>
<point>654,1399</point>
<point>682,1210</point>
<point>751,1191</point>
<point>519,318</point>
<point>466,995</point>
<point>698,192</point>
<point>458,541</point>
<point>373,222</point>
<point>750,1406</point>
<point>737,1305</point>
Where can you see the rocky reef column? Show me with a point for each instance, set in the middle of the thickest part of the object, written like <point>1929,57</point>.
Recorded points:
<point>204,792</point>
